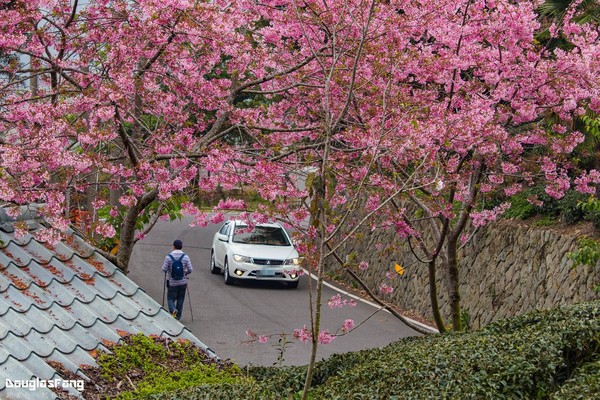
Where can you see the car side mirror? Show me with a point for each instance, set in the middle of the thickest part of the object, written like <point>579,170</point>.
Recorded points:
<point>222,238</point>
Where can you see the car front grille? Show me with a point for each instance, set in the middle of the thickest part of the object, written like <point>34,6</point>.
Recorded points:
<point>260,261</point>
<point>259,274</point>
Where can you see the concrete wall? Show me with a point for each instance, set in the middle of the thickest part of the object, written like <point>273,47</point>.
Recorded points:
<point>506,270</point>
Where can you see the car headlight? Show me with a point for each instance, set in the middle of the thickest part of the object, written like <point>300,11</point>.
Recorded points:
<point>239,258</point>
<point>292,261</point>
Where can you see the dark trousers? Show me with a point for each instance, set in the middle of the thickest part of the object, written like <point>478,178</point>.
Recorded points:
<point>175,299</point>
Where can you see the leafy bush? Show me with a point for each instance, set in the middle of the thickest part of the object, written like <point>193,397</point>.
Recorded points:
<point>585,384</point>
<point>572,208</point>
<point>591,208</point>
<point>594,218</point>
<point>520,208</point>
<point>531,356</point>
<point>569,209</point>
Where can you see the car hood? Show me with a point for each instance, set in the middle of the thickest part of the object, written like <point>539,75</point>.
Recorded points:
<point>264,251</point>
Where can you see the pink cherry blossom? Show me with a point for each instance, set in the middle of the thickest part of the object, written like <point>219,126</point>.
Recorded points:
<point>303,335</point>
<point>348,325</point>
<point>263,339</point>
<point>384,288</point>
<point>325,337</point>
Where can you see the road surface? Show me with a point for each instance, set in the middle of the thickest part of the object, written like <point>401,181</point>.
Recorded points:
<point>222,314</point>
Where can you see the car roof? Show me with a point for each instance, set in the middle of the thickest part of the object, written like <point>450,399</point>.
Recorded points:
<point>270,224</point>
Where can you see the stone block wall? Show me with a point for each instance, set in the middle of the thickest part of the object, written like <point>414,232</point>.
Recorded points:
<point>507,269</point>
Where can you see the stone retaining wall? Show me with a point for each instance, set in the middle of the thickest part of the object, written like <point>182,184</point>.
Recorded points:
<point>506,270</point>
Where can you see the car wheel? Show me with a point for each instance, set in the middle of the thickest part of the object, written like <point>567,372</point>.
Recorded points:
<point>228,279</point>
<point>293,284</point>
<point>213,266</point>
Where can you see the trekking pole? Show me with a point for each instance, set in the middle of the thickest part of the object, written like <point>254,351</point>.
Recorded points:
<point>189,299</point>
<point>164,288</point>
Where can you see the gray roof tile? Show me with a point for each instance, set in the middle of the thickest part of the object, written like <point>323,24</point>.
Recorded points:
<point>58,302</point>
<point>19,370</point>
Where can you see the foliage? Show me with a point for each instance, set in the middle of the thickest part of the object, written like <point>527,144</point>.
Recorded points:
<point>520,207</point>
<point>114,216</point>
<point>592,210</point>
<point>573,207</point>
<point>583,385</point>
<point>438,103</point>
<point>592,125</point>
<point>530,356</point>
<point>587,253</point>
<point>155,365</point>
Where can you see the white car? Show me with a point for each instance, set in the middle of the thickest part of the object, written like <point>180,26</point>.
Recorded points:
<point>263,253</point>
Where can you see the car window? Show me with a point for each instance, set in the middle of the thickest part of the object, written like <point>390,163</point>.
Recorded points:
<point>267,235</point>
<point>225,229</point>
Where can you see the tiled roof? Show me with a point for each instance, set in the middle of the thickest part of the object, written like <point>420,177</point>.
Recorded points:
<point>60,302</point>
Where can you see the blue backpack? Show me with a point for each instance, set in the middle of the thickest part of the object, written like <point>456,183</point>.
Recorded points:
<point>177,267</point>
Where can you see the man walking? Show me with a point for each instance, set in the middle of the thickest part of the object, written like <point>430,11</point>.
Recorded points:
<point>178,266</point>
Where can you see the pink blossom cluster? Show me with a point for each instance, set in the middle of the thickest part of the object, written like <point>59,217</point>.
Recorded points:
<point>438,104</point>
<point>337,302</point>
<point>385,288</point>
<point>481,218</point>
<point>304,335</point>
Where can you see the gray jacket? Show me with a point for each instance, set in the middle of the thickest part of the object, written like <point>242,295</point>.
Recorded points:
<point>187,267</point>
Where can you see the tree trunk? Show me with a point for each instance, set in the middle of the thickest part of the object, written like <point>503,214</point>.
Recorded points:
<point>127,237</point>
<point>319,223</point>
<point>126,240</point>
<point>317,325</point>
<point>453,282</point>
<point>435,308</point>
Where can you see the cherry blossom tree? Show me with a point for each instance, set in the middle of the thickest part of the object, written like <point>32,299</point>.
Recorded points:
<point>481,110</point>
<point>340,114</point>
<point>128,97</point>
<point>497,134</point>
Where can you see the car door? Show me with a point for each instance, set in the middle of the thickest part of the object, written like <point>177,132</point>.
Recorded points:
<point>220,245</point>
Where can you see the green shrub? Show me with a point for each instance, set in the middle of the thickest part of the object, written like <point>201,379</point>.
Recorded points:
<point>520,208</point>
<point>591,209</point>
<point>594,218</point>
<point>569,207</point>
<point>528,357</point>
<point>584,385</point>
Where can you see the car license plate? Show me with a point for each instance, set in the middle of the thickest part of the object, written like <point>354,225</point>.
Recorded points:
<point>267,272</point>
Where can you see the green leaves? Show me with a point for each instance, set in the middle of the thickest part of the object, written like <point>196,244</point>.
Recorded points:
<point>527,357</point>
<point>588,253</point>
<point>592,125</point>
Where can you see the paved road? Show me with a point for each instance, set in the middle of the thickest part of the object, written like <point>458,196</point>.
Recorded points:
<point>222,314</point>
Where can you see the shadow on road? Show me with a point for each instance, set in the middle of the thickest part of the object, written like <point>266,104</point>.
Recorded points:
<point>249,284</point>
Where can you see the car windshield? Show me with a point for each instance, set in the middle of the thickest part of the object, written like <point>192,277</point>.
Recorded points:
<point>266,235</point>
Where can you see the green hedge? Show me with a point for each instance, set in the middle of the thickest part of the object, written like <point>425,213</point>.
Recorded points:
<point>534,356</point>
<point>584,385</point>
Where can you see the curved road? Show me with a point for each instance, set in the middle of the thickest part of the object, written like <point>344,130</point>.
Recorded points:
<point>222,314</point>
